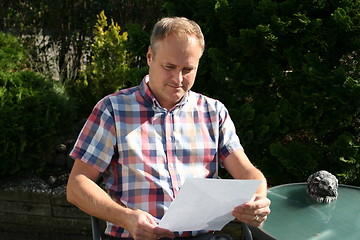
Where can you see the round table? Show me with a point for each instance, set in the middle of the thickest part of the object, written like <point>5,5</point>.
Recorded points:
<point>294,215</point>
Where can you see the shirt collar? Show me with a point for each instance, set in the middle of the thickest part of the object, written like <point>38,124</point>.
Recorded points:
<point>150,98</point>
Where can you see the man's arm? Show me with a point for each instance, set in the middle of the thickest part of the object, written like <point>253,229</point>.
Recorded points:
<point>84,193</point>
<point>255,212</point>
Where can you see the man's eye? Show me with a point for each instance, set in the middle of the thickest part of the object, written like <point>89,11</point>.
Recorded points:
<point>169,67</point>
<point>187,70</point>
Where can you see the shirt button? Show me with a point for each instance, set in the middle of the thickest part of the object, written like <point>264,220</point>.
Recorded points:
<point>169,139</point>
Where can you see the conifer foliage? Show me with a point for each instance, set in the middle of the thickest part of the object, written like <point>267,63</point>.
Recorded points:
<point>289,72</point>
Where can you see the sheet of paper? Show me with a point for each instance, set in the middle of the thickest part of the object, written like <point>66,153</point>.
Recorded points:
<point>206,204</point>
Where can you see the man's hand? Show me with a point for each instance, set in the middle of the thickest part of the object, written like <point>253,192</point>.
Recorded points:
<point>142,225</point>
<point>253,213</point>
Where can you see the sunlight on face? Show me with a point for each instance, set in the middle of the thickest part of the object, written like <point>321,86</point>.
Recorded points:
<point>172,70</point>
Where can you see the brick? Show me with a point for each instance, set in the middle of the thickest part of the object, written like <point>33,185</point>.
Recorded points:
<point>35,221</point>
<point>68,211</point>
<point>18,195</point>
<point>25,208</point>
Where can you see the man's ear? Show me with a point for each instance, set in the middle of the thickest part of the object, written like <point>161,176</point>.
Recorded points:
<point>149,56</point>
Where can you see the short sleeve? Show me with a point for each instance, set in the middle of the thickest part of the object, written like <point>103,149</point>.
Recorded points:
<point>228,139</point>
<point>97,140</point>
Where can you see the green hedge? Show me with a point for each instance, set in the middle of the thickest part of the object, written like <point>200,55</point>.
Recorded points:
<point>289,73</point>
<point>11,52</point>
<point>34,114</point>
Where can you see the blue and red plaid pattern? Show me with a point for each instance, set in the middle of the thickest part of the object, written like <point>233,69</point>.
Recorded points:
<point>146,152</point>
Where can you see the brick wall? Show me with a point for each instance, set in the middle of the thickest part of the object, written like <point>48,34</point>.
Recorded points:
<point>37,214</point>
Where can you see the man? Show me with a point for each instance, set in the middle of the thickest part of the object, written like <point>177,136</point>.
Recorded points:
<point>148,139</point>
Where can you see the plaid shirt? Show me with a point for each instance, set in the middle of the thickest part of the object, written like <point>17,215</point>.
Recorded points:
<point>146,152</point>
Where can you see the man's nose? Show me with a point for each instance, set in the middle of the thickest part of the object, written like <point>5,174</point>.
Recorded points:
<point>178,76</point>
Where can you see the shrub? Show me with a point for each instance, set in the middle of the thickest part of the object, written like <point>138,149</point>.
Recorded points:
<point>11,52</point>
<point>289,73</point>
<point>34,115</point>
<point>106,71</point>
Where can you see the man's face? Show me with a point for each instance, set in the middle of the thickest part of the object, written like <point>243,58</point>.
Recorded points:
<point>172,69</point>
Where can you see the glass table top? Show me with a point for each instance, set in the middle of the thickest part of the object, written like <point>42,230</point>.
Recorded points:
<point>294,215</point>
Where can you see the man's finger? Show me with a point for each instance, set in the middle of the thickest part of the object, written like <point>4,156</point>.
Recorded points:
<point>163,233</point>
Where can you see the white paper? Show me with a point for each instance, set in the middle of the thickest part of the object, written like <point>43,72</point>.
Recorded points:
<point>207,204</point>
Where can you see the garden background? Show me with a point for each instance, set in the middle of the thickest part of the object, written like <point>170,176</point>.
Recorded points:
<point>287,70</point>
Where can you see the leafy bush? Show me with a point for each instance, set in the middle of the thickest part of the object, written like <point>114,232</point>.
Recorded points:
<point>11,52</point>
<point>289,73</point>
<point>34,114</point>
<point>106,71</point>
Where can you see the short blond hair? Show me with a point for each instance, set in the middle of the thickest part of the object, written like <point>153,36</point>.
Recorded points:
<point>175,25</point>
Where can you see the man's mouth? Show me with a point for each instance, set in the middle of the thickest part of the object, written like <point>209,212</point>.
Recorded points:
<point>175,86</point>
